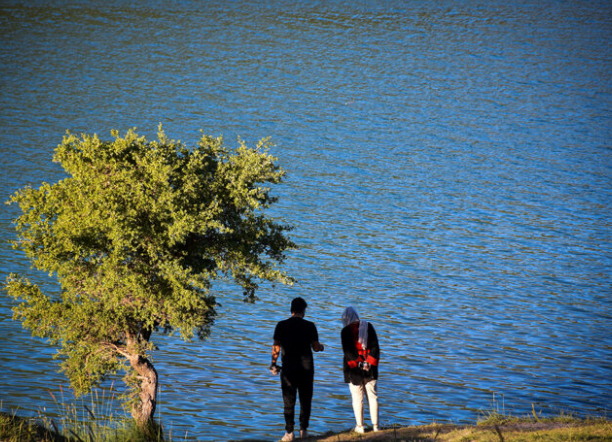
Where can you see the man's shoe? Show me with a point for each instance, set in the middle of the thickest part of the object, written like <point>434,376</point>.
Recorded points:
<point>376,429</point>
<point>359,429</point>
<point>304,434</point>
<point>287,437</point>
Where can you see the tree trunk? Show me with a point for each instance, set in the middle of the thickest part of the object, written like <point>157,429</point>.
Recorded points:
<point>145,409</point>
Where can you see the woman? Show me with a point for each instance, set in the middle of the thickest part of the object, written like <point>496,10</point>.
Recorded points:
<point>361,355</point>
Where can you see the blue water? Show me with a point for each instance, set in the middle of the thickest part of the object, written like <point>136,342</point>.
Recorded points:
<point>449,174</point>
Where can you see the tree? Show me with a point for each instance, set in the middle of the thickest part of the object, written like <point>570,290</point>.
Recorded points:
<point>136,235</point>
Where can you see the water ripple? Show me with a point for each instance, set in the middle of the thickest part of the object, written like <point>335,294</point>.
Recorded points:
<point>450,175</point>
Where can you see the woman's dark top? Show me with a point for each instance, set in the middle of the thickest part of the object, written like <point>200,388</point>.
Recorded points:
<point>354,354</point>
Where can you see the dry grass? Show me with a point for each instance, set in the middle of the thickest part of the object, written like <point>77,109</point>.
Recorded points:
<point>599,430</point>
<point>16,429</point>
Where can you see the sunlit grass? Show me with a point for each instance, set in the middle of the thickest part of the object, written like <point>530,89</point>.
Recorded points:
<point>15,429</point>
<point>78,423</point>
<point>82,424</point>
<point>589,430</point>
<point>494,425</point>
<point>498,415</point>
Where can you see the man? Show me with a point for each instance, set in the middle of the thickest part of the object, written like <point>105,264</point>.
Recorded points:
<point>296,338</point>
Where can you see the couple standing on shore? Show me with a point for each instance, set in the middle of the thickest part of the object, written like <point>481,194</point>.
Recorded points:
<point>295,338</point>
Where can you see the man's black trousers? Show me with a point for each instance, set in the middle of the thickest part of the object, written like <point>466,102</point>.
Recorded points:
<point>293,384</point>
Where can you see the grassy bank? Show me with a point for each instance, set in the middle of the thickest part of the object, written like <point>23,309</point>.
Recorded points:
<point>495,428</point>
<point>14,428</point>
<point>598,430</point>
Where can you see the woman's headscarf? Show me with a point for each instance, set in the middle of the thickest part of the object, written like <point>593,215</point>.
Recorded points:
<point>348,317</point>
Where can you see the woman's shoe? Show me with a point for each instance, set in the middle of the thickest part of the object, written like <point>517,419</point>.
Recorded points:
<point>288,437</point>
<point>359,429</point>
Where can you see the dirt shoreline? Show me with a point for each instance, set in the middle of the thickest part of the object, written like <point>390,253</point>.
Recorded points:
<point>597,430</point>
<point>19,429</point>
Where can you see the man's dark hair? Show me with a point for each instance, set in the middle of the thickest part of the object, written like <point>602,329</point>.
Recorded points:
<point>298,305</point>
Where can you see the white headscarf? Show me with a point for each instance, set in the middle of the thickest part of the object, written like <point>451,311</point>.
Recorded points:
<point>348,317</point>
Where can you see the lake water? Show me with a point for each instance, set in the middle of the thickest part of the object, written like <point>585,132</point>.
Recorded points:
<point>449,175</point>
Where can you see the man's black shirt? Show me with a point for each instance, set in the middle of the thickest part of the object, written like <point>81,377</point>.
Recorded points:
<point>296,336</point>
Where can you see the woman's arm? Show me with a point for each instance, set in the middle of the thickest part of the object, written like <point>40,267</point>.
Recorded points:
<point>351,356</point>
<point>374,355</point>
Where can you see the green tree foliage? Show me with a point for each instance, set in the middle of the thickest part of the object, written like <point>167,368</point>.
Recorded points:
<point>136,235</point>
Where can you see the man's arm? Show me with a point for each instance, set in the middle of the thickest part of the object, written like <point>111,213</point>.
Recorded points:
<point>275,352</point>
<point>317,346</point>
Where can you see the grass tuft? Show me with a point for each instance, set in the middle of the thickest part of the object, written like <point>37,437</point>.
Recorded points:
<point>78,425</point>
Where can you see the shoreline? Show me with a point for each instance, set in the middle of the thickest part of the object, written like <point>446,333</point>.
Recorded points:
<point>496,428</point>
<point>520,430</point>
